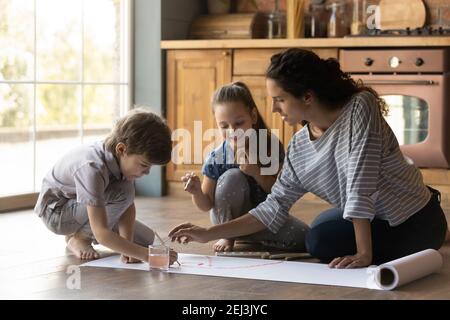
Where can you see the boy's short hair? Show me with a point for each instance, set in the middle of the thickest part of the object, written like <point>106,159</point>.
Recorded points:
<point>144,133</point>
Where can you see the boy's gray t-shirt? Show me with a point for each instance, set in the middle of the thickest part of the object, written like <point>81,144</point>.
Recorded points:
<point>82,174</point>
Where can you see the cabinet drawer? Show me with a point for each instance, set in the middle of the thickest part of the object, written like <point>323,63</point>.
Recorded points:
<point>255,61</point>
<point>252,61</point>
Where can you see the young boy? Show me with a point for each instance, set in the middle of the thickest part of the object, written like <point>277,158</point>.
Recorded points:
<point>89,194</point>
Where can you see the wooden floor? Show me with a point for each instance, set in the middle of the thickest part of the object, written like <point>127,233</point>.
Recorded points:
<point>34,265</point>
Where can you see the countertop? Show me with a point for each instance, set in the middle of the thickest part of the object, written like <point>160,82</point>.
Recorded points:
<point>348,42</point>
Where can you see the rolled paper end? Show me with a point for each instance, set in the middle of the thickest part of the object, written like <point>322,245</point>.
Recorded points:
<point>387,278</point>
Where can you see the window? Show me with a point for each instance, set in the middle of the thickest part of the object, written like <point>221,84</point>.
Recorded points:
<point>64,79</point>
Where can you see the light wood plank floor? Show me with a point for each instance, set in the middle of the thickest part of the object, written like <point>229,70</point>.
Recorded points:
<point>33,265</point>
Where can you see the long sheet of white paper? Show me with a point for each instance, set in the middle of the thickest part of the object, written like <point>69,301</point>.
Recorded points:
<point>403,270</point>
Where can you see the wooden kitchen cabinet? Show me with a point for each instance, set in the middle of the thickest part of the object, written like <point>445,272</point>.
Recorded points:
<point>192,77</point>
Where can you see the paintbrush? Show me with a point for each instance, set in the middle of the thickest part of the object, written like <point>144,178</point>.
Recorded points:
<point>290,255</point>
<point>160,239</point>
<point>191,175</point>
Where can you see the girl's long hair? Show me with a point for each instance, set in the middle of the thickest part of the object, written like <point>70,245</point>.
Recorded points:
<point>240,93</point>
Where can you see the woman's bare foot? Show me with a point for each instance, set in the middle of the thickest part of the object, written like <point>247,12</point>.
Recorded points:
<point>223,245</point>
<point>81,248</point>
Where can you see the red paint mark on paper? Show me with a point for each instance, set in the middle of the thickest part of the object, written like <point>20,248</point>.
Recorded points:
<point>210,265</point>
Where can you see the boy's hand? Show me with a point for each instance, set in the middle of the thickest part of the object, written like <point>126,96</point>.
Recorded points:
<point>192,183</point>
<point>126,259</point>
<point>358,260</point>
<point>187,232</point>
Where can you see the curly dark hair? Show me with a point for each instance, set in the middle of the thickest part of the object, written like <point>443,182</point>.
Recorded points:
<point>297,70</point>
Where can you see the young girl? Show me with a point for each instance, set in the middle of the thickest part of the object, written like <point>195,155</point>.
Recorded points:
<point>347,155</point>
<point>230,189</point>
<point>88,195</point>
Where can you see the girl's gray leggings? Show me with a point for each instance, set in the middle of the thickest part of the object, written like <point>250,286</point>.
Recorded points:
<point>232,200</point>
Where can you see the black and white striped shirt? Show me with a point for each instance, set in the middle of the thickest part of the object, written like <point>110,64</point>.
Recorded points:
<point>356,165</point>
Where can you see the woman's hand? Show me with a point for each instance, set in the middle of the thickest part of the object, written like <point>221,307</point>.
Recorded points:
<point>358,260</point>
<point>363,256</point>
<point>173,257</point>
<point>192,183</point>
<point>187,232</point>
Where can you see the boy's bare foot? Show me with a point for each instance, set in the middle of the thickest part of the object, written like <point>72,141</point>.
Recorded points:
<point>223,245</point>
<point>81,248</point>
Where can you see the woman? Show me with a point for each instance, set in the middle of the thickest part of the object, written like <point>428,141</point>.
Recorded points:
<point>347,155</point>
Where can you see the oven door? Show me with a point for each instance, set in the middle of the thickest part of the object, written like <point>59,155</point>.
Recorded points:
<point>419,115</point>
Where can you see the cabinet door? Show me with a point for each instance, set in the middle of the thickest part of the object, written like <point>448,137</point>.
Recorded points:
<point>257,86</point>
<point>192,78</point>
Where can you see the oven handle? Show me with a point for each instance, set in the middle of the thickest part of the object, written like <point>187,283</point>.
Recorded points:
<point>402,82</point>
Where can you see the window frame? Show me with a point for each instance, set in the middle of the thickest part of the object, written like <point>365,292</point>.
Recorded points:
<point>28,200</point>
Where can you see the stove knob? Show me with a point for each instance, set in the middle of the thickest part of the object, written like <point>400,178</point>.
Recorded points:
<point>368,62</point>
<point>419,62</point>
<point>394,62</point>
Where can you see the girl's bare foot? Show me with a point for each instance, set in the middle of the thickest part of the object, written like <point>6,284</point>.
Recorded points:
<point>81,248</point>
<point>223,245</point>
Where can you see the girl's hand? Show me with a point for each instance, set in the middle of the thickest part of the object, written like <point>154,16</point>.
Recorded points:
<point>187,232</point>
<point>192,183</point>
<point>126,259</point>
<point>250,169</point>
<point>358,260</point>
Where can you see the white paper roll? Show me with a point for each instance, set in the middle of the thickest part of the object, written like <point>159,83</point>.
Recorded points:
<point>404,270</point>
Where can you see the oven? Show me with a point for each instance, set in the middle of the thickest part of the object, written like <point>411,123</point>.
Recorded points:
<point>416,86</point>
